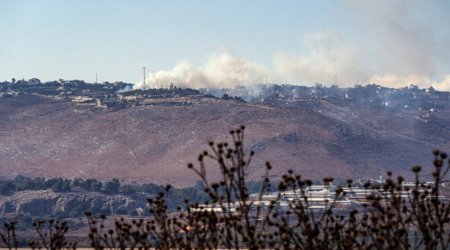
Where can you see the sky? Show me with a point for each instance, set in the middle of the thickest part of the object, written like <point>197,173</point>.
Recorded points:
<point>228,43</point>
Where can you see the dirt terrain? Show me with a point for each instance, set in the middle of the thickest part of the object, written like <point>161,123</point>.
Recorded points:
<point>154,142</point>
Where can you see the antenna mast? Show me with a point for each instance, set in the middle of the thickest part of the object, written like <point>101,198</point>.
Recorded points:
<point>144,78</point>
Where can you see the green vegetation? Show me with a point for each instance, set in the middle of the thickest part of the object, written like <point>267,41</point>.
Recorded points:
<point>395,216</point>
<point>59,185</point>
<point>113,187</point>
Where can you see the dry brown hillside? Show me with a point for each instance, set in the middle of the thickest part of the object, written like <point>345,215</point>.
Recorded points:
<point>153,143</point>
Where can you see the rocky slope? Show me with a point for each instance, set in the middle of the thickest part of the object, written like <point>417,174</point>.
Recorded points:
<point>47,203</point>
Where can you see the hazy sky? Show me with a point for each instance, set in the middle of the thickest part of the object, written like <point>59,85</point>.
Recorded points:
<point>217,43</point>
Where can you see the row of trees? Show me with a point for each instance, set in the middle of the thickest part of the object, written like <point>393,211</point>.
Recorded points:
<point>112,187</point>
<point>22,183</point>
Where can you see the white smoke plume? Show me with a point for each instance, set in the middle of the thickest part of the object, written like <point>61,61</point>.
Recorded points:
<point>397,81</point>
<point>221,71</point>
<point>329,58</point>
<point>405,48</point>
<point>398,49</point>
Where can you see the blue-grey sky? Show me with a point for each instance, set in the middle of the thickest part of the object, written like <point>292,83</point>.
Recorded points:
<point>221,43</point>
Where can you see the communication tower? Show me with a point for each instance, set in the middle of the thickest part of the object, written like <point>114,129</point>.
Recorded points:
<point>144,78</point>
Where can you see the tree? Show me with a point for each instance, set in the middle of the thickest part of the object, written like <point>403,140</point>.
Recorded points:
<point>23,183</point>
<point>111,187</point>
<point>127,189</point>
<point>6,188</point>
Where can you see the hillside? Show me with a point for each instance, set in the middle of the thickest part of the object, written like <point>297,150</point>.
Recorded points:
<point>48,137</point>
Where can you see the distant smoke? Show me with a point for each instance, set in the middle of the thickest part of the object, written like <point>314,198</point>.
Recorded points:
<point>405,48</point>
<point>125,89</point>
<point>397,81</point>
<point>329,58</point>
<point>221,70</point>
<point>399,48</point>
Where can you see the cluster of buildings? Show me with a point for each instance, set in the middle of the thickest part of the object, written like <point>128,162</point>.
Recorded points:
<point>411,97</point>
<point>317,197</point>
<point>110,96</point>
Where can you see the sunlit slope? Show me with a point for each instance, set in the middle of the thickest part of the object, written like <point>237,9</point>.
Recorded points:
<point>153,143</point>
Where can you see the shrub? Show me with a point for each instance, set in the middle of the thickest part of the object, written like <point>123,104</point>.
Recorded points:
<point>8,235</point>
<point>51,235</point>
<point>394,215</point>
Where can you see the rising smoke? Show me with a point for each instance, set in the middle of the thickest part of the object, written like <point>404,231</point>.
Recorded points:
<point>329,56</point>
<point>406,48</point>
<point>221,70</point>
<point>399,49</point>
